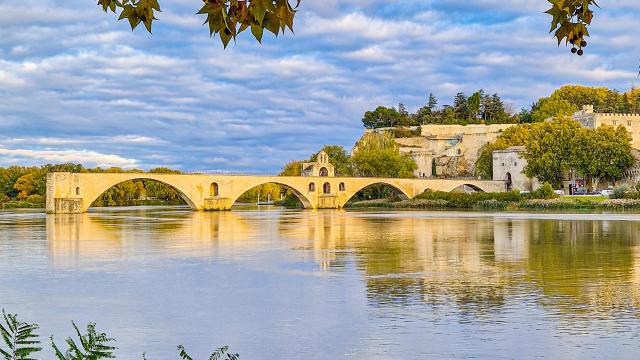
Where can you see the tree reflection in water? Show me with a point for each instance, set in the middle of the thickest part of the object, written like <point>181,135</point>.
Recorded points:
<point>474,265</point>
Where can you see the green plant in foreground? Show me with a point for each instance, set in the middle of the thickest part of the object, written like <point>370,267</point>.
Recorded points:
<point>93,346</point>
<point>220,354</point>
<point>19,338</point>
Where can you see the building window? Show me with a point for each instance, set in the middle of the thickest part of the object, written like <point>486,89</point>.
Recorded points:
<point>213,189</point>
<point>629,123</point>
<point>77,191</point>
<point>326,188</point>
<point>342,187</point>
<point>502,164</point>
<point>515,164</point>
<point>324,172</point>
<point>312,187</point>
<point>615,122</point>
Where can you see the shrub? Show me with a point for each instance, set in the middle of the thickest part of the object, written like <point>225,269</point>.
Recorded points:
<point>422,204</point>
<point>492,204</point>
<point>621,204</point>
<point>35,199</point>
<point>619,192</point>
<point>543,192</point>
<point>468,201</point>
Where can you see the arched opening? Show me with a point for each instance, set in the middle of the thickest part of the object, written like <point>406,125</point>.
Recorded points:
<point>467,188</point>
<point>312,187</point>
<point>509,182</point>
<point>326,188</point>
<point>376,195</point>
<point>275,194</point>
<point>140,192</point>
<point>342,187</point>
<point>214,189</point>
<point>324,172</point>
<point>77,190</point>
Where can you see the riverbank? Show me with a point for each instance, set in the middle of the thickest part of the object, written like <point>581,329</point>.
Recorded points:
<point>500,201</point>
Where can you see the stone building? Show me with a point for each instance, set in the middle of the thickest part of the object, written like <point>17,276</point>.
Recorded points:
<point>590,119</point>
<point>321,167</point>
<point>508,165</point>
<point>448,150</point>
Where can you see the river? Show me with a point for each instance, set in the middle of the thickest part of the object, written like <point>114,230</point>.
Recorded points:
<point>284,284</point>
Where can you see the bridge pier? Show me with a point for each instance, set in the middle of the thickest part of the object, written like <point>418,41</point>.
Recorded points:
<point>217,204</point>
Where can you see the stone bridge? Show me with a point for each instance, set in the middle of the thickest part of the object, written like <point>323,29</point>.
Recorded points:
<point>75,192</point>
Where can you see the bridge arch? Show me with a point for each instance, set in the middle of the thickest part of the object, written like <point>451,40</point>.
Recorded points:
<point>472,186</point>
<point>299,193</point>
<point>351,192</point>
<point>91,193</point>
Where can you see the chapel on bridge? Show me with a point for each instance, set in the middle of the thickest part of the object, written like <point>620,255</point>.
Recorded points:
<point>320,168</point>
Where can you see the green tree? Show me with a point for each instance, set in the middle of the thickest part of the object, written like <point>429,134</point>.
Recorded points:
<point>473,105</point>
<point>550,149</point>
<point>378,155</point>
<point>292,168</point>
<point>552,107</point>
<point>461,106</point>
<point>604,152</point>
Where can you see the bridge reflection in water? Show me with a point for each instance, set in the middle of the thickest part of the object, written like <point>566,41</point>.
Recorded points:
<point>476,262</point>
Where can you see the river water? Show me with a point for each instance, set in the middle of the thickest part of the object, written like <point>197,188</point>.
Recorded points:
<point>281,284</point>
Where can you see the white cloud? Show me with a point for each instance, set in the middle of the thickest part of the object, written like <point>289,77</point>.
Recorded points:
<point>89,158</point>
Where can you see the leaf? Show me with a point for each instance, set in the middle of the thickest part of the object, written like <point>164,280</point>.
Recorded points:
<point>257,32</point>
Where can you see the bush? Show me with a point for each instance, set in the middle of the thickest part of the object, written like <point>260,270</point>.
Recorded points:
<point>461,200</point>
<point>620,192</point>
<point>422,204</point>
<point>35,199</point>
<point>492,204</point>
<point>4,198</point>
<point>621,204</point>
<point>543,192</point>
<point>21,205</point>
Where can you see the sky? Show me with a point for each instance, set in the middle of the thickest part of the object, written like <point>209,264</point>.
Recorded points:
<point>78,86</point>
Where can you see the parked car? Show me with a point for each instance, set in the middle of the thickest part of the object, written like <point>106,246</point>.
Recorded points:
<point>525,192</point>
<point>607,192</point>
<point>558,192</point>
<point>580,191</point>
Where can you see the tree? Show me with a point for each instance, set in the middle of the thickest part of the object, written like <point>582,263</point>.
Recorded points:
<point>20,338</point>
<point>227,18</point>
<point>432,103</point>
<point>383,117</point>
<point>604,152</point>
<point>548,108</point>
<point>27,185</point>
<point>550,149</point>
<point>292,168</point>
<point>473,105</point>
<point>460,106</point>
<point>378,155</point>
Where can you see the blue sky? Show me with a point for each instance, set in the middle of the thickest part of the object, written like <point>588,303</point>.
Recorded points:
<point>78,86</point>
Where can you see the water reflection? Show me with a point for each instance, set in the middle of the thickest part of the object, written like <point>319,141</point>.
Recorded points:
<point>477,264</point>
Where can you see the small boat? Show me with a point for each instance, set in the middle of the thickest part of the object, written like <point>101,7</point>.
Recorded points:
<point>268,202</point>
